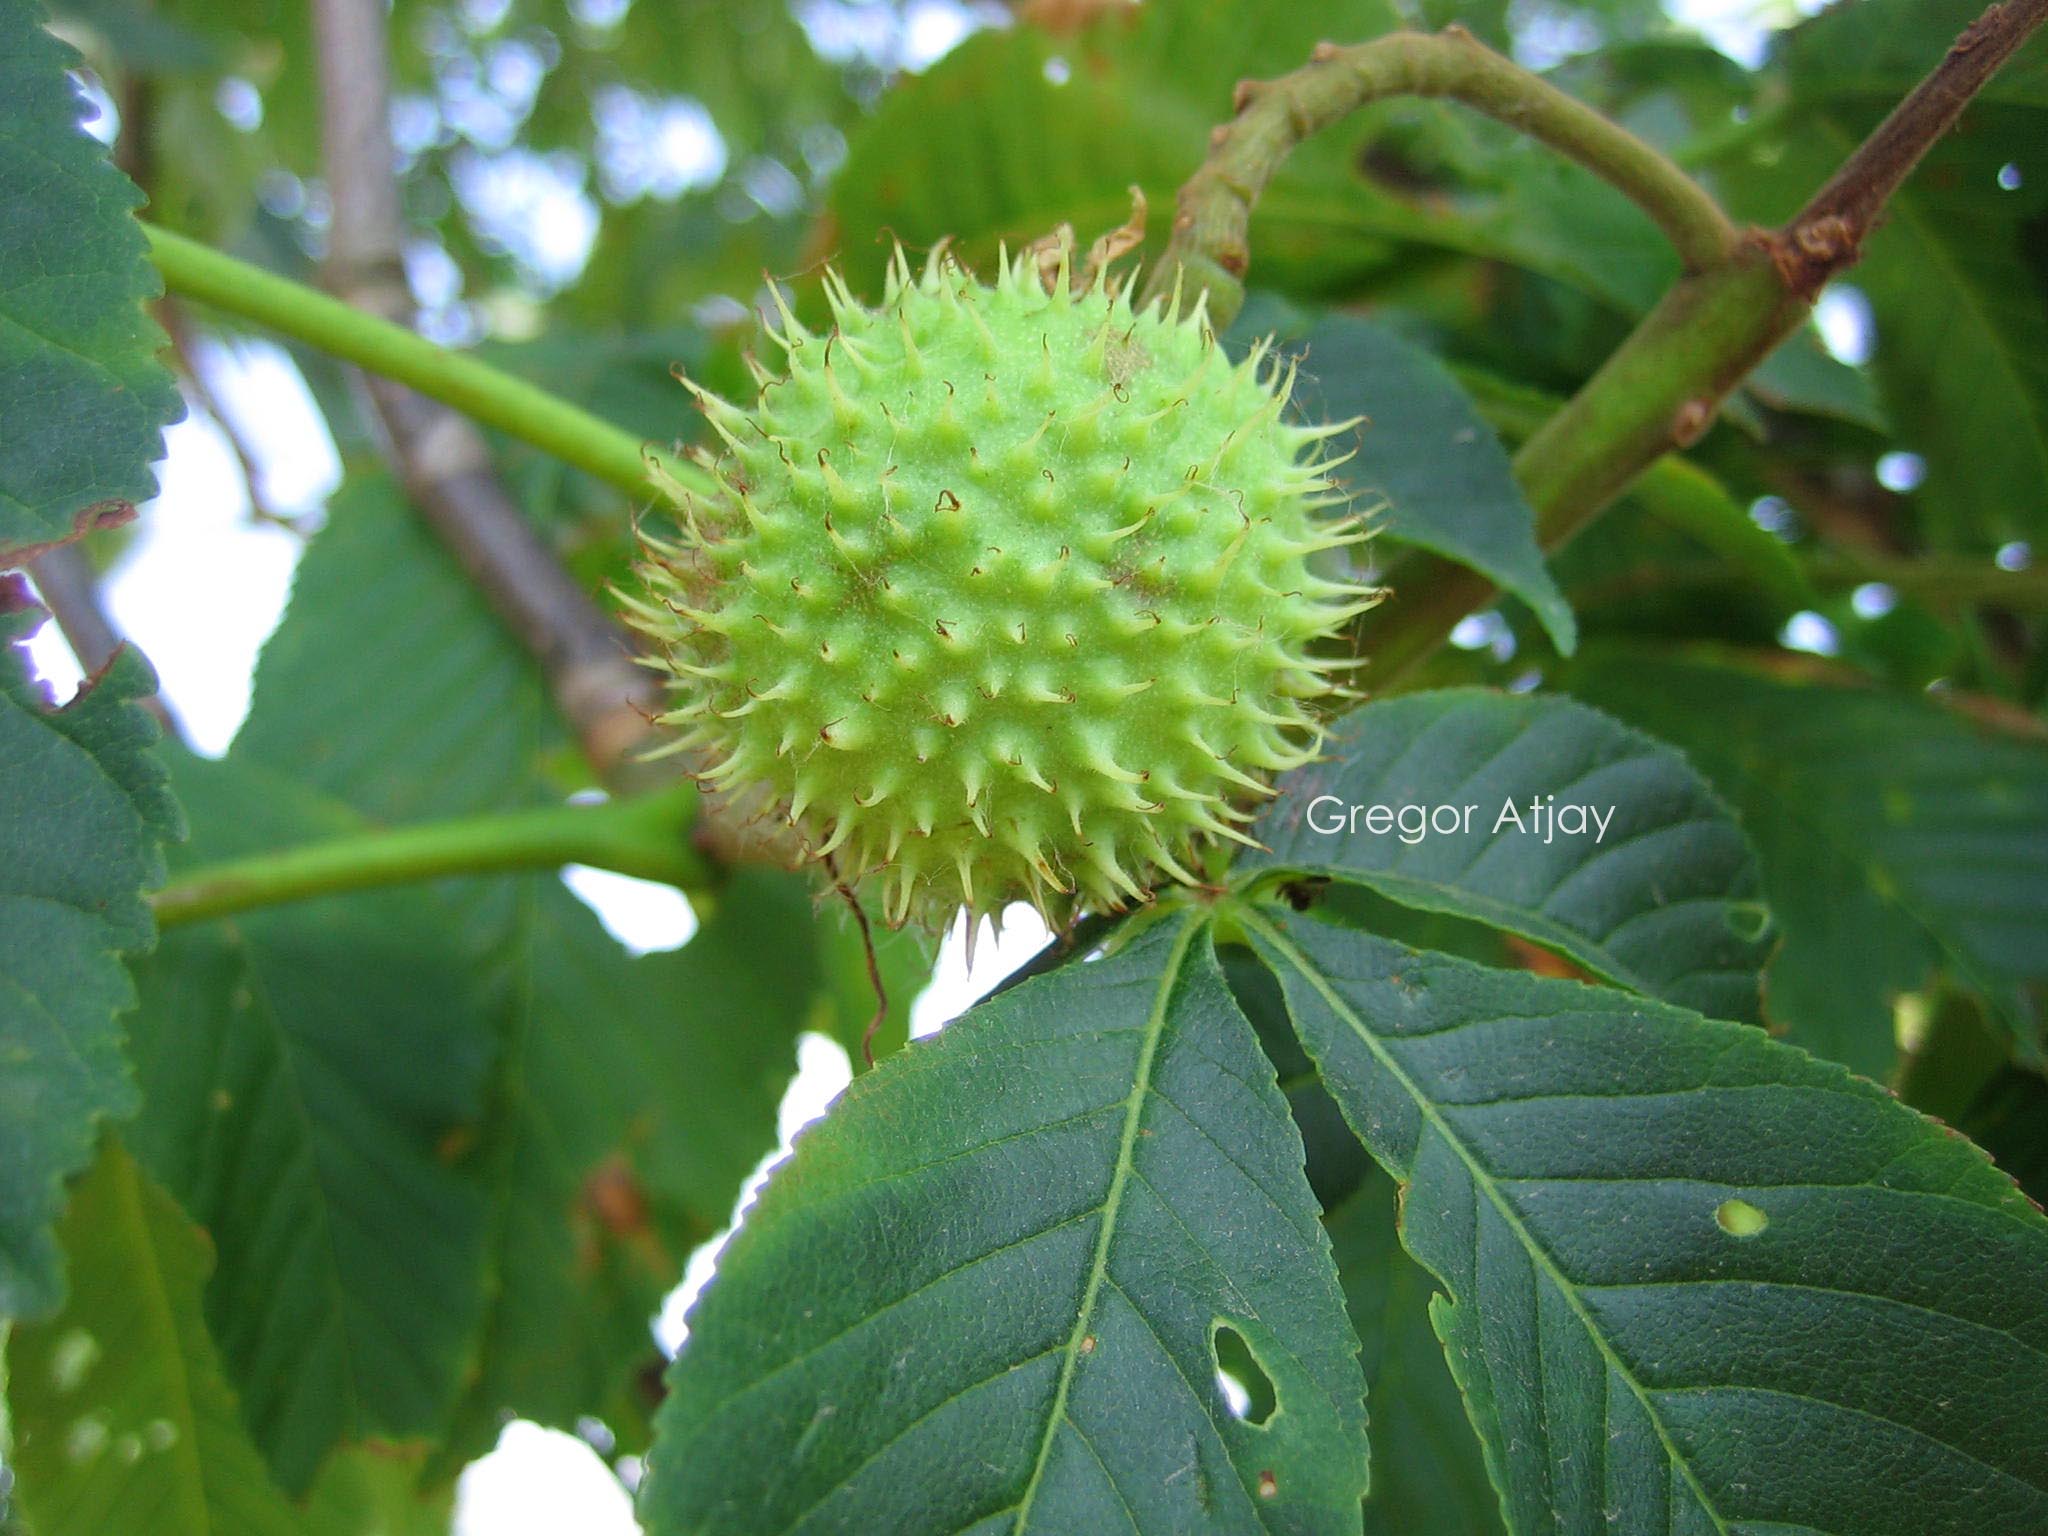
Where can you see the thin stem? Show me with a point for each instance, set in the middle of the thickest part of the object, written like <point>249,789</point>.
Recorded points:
<point>1214,209</point>
<point>458,379</point>
<point>1829,231</point>
<point>648,837</point>
<point>867,945</point>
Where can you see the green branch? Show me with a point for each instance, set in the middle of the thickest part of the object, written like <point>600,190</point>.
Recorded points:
<point>1660,390</point>
<point>1740,296</point>
<point>1213,212</point>
<point>648,836</point>
<point>458,379</point>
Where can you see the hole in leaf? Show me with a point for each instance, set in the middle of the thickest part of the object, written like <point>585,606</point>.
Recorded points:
<point>1738,1218</point>
<point>1243,1381</point>
<point>1749,920</point>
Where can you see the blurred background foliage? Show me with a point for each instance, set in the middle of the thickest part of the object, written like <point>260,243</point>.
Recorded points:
<point>597,189</point>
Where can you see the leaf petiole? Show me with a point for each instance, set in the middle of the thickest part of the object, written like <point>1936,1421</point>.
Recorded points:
<point>647,836</point>
<point>459,379</point>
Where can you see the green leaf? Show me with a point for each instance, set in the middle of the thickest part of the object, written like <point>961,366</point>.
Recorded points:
<point>985,1292</point>
<point>391,686</point>
<point>1697,1280</point>
<point>1428,1474</point>
<point>1016,131</point>
<point>1963,1075</point>
<point>1424,453</point>
<point>1661,900</point>
<point>313,1083</point>
<point>374,1490</point>
<point>1962,342</point>
<point>1676,491</point>
<point>1802,376</point>
<point>84,813</point>
<point>1897,839</point>
<point>1879,54</point>
<point>81,391</point>
<point>627,1137</point>
<point>122,1419</point>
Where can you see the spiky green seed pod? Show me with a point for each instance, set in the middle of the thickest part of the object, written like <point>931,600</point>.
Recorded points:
<point>1009,593</point>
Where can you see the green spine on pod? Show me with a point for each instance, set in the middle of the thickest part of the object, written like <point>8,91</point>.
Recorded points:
<point>1009,592</point>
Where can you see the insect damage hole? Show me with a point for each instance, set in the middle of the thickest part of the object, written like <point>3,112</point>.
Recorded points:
<point>1247,1390</point>
<point>1738,1218</point>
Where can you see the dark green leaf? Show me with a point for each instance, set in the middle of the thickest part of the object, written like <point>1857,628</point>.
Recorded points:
<point>1897,838</point>
<point>1697,1280</point>
<point>85,810</point>
<point>390,685</point>
<point>983,1294</point>
<point>1425,454</point>
<point>122,1420</point>
<point>1962,1073</point>
<point>1618,553</point>
<point>641,1095</point>
<point>1016,131</point>
<point>1962,328</point>
<point>1428,1474</point>
<point>81,391</point>
<point>1879,52</point>
<point>1663,899</point>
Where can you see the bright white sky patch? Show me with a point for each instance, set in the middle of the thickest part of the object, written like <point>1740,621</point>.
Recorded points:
<point>1848,329</point>
<point>643,915</point>
<point>954,987</point>
<point>541,1480</point>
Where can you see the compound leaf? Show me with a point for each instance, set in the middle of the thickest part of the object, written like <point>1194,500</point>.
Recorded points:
<point>1698,1281</point>
<point>987,1291</point>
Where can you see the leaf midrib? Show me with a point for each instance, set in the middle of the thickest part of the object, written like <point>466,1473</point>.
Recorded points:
<point>1482,1178</point>
<point>1098,1266</point>
<point>156,1291</point>
<point>265,1007</point>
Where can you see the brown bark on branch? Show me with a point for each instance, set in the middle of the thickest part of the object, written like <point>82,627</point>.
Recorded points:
<point>441,459</point>
<point>1828,233</point>
<point>1740,297</point>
